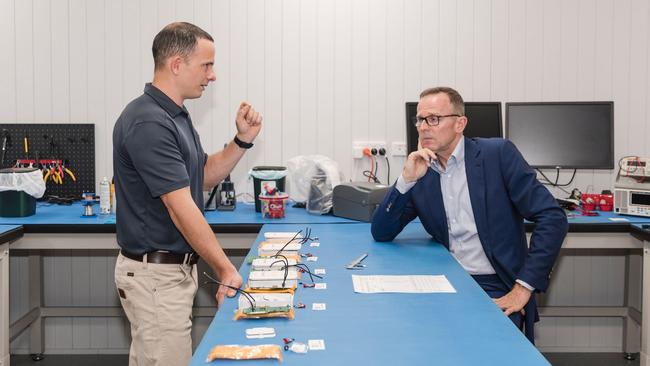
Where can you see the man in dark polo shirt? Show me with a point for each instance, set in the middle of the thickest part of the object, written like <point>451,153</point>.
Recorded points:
<point>160,172</point>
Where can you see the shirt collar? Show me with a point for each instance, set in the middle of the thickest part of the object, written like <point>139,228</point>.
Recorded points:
<point>164,101</point>
<point>456,157</point>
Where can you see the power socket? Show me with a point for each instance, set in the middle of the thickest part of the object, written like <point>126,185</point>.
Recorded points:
<point>358,146</point>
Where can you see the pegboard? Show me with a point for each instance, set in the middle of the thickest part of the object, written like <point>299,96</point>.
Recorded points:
<point>72,143</point>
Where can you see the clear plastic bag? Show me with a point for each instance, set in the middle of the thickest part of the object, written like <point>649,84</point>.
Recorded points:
<point>320,194</point>
<point>26,180</point>
<point>312,179</point>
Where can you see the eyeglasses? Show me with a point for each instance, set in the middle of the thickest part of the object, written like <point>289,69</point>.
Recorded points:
<point>432,120</point>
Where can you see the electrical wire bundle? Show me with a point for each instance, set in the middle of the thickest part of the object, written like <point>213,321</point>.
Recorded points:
<point>374,165</point>
<point>557,177</point>
<point>282,259</point>
<point>246,294</point>
<point>632,173</point>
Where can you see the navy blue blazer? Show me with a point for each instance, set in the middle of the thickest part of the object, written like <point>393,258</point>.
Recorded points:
<point>503,191</point>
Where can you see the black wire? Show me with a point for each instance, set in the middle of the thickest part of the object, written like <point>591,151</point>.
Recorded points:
<point>286,271</point>
<point>245,293</point>
<point>306,238</point>
<point>305,268</point>
<point>549,182</point>
<point>302,266</point>
<point>376,167</point>
<point>285,245</point>
<point>388,168</point>
<point>212,195</point>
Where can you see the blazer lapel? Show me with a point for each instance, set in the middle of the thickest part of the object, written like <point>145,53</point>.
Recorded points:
<point>435,207</point>
<point>474,169</point>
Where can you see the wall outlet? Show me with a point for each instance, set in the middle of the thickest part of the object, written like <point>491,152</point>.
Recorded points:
<point>398,148</point>
<point>358,146</point>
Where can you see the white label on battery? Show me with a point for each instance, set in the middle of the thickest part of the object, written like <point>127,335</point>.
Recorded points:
<point>318,306</point>
<point>312,259</point>
<point>320,286</point>
<point>314,244</point>
<point>319,271</point>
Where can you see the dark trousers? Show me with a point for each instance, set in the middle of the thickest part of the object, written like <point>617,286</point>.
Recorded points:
<point>496,288</point>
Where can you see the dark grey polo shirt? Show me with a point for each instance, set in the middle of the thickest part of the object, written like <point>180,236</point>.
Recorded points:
<point>156,150</point>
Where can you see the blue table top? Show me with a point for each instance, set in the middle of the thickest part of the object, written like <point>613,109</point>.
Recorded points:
<point>606,217</point>
<point>8,233</point>
<point>245,213</point>
<point>465,328</point>
<point>8,228</point>
<point>49,214</point>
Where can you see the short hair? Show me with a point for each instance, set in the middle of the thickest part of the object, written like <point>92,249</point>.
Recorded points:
<point>454,97</point>
<point>176,39</point>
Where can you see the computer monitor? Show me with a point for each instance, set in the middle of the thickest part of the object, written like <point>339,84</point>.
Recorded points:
<point>484,120</point>
<point>573,135</point>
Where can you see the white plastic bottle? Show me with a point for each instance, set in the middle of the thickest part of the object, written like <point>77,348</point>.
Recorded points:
<point>105,197</point>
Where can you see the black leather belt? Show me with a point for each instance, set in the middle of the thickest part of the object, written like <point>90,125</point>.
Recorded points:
<point>164,258</point>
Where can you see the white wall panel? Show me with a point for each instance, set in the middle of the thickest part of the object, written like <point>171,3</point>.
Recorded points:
<point>42,51</point>
<point>325,74</point>
<point>342,86</point>
<point>360,83</point>
<point>482,47</point>
<point>324,99</point>
<point>273,111</point>
<point>8,61</point>
<point>395,60</point>
<point>24,61</point>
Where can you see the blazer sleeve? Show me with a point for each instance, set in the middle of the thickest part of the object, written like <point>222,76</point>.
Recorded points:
<point>535,203</point>
<point>394,212</point>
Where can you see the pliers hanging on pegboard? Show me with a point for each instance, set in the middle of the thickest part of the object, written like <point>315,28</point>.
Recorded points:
<point>55,173</point>
<point>70,173</point>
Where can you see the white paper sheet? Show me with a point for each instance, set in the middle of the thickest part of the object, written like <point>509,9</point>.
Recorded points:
<point>402,284</point>
<point>622,219</point>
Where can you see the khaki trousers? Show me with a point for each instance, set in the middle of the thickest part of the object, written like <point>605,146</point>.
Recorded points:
<point>157,299</point>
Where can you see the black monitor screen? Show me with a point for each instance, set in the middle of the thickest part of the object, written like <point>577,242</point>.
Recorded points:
<point>574,135</point>
<point>483,120</point>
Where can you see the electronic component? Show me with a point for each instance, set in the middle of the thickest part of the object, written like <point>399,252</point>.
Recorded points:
<point>357,200</point>
<point>273,279</point>
<point>262,332</point>
<point>632,188</point>
<point>275,263</point>
<point>265,300</point>
<point>634,167</point>
<point>283,235</point>
<point>267,249</point>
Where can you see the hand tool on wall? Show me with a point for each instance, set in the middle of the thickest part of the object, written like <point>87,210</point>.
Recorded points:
<point>5,140</point>
<point>26,146</point>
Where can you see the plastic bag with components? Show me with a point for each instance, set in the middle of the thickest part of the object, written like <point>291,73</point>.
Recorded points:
<point>312,179</point>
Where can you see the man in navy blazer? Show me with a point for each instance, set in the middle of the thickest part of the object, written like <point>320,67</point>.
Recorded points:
<point>472,195</point>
